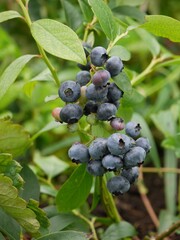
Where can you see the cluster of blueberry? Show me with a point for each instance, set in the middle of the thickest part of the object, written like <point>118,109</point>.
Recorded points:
<point>101,98</point>
<point>121,153</point>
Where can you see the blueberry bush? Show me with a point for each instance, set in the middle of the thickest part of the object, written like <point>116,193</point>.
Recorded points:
<point>89,107</point>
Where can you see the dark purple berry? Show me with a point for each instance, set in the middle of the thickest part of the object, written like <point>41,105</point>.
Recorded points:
<point>106,111</point>
<point>83,77</point>
<point>79,153</point>
<point>114,65</point>
<point>96,93</point>
<point>101,78</point>
<point>117,124</point>
<point>114,93</point>
<point>95,168</point>
<point>131,174</point>
<point>71,113</point>
<point>118,185</point>
<point>134,157</point>
<point>133,129</point>
<point>98,56</point>
<point>69,91</point>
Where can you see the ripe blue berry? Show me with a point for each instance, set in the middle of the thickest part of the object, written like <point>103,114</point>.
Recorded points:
<point>144,143</point>
<point>100,78</point>
<point>117,124</point>
<point>112,163</point>
<point>118,144</point>
<point>95,168</point>
<point>118,185</point>
<point>106,111</point>
<point>131,174</point>
<point>98,148</point>
<point>83,77</point>
<point>114,65</point>
<point>134,157</point>
<point>71,113</point>
<point>69,91</point>
<point>79,153</point>
<point>96,93</point>
<point>133,129</point>
<point>114,93</point>
<point>98,56</point>
<point>90,107</point>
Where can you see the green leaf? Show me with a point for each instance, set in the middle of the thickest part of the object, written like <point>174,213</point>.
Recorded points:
<point>41,77</point>
<point>12,71</point>
<point>58,40</point>
<point>51,165</point>
<point>118,231</point>
<point>121,52</point>
<point>150,41</point>
<point>11,168</point>
<point>170,181</point>
<point>13,138</point>
<point>96,194</point>
<point>130,11</point>
<point>131,97</point>
<point>105,18</point>
<point>9,226</point>
<point>7,15</point>
<point>31,187</point>
<point>123,82</point>
<point>146,132</point>
<point>40,214</point>
<point>173,143</point>
<point>163,26</point>
<point>166,219</point>
<point>130,2</point>
<point>68,235</point>
<point>99,130</point>
<point>72,14</point>
<point>16,207</point>
<point>86,10</point>
<point>48,190</point>
<point>75,190</point>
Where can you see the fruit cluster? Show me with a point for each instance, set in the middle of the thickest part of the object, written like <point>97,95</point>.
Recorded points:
<point>121,153</point>
<point>92,93</point>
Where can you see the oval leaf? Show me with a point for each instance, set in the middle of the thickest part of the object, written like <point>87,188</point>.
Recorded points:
<point>117,231</point>
<point>105,18</point>
<point>68,235</point>
<point>7,15</point>
<point>12,71</point>
<point>75,190</point>
<point>58,40</point>
<point>163,26</point>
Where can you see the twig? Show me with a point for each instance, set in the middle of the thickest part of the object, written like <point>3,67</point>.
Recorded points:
<point>170,230</point>
<point>160,170</point>
<point>146,201</point>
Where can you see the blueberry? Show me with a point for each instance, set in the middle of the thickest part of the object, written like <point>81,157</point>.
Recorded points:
<point>118,144</point>
<point>134,157</point>
<point>83,77</point>
<point>96,93</point>
<point>144,143</point>
<point>112,163</point>
<point>133,129</point>
<point>90,107</point>
<point>79,153</point>
<point>98,148</point>
<point>117,124</point>
<point>69,91</point>
<point>114,93</point>
<point>71,113</point>
<point>86,67</point>
<point>118,185</point>
<point>106,111</point>
<point>98,56</point>
<point>95,168</point>
<point>131,174</point>
<point>101,78</point>
<point>114,65</point>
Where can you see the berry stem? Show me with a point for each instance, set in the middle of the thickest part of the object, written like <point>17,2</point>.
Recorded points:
<point>160,170</point>
<point>142,190</point>
<point>41,50</point>
<point>108,201</point>
<point>168,232</point>
<point>90,223</point>
<point>89,26</point>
